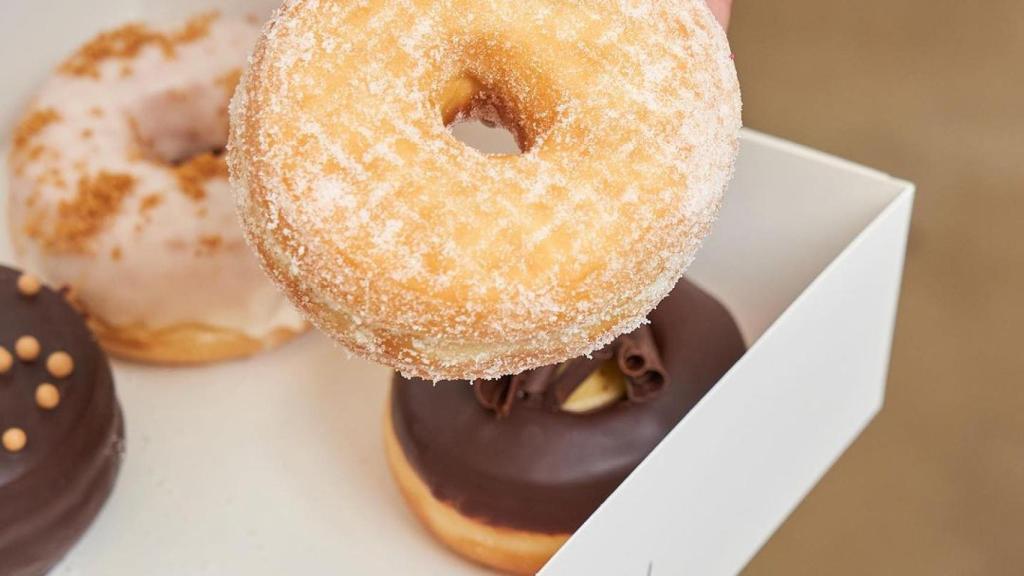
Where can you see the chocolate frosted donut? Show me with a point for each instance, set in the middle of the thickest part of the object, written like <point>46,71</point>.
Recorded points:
<point>504,471</point>
<point>61,431</point>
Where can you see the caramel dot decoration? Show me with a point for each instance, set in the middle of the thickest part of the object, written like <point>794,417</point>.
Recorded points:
<point>60,364</point>
<point>14,440</point>
<point>27,348</point>
<point>47,396</point>
<point>29,285</point>
<point>6,360</point>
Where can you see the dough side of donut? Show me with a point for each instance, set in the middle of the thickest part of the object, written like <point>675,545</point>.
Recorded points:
<point>415,251</point>
<point>111,194</point>
<point>184,344</point>
<point>510,550</point>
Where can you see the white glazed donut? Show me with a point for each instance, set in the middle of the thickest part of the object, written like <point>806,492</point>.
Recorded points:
<point>118,190</point>
<point>417,251</point>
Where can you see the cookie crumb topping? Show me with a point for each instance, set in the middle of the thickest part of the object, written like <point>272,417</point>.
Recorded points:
<point>126,42</point>
<point>80,218</point>
<point>194,172</point>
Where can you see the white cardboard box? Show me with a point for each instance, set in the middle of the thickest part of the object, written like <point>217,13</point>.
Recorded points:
<point>274,465</point>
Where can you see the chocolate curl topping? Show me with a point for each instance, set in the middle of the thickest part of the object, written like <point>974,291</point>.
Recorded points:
<point>498,395</point>
<point>534,381</point>
<point>640,363</point>
<point>495,395</point>
<point>636,355</point>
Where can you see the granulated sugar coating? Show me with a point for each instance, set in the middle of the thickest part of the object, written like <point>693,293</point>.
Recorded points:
<point>421,253</point>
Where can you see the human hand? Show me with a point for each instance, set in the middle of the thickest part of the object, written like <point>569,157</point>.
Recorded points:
<point>721,9</point>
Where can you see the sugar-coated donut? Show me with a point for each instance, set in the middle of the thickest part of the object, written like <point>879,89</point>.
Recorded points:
<point>119,189</point>
<point>502,474</point>
<point>419,252</point>
<point>61,431</point>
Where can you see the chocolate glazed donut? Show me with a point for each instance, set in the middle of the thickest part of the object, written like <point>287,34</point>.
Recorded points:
<point>60,423</point>
<point>507,454</point>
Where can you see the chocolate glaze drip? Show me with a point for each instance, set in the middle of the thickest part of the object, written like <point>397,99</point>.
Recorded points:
<point>547,470</point>
<point>635,353</point>
<point>52,489</point>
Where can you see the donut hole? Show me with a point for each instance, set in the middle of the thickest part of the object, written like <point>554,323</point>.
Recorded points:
<point>486,137</point>
<point>176,125</point>
<point>487,118</point>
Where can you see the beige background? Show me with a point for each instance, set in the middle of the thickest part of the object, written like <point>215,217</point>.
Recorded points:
<point>930,90</point>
